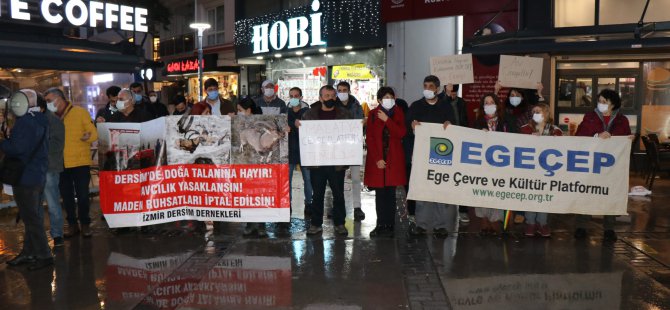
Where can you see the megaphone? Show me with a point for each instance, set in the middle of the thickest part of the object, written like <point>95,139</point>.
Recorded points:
<point>18,104</point>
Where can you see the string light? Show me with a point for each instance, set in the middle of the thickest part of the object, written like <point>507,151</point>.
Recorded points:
<point>340,19</point>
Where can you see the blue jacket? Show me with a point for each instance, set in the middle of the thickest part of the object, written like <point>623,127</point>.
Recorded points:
<point>24,139</point>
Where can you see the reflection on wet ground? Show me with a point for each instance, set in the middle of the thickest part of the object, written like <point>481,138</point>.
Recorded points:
<point>464,271</point>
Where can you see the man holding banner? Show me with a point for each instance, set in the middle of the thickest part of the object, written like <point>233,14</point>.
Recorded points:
<point>326,109</point>
<point>430,109</point>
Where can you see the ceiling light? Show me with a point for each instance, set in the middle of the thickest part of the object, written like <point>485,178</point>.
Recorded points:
<point>278,55</point>
<point>299,53</point>
<point>322,50</point>
<point>259,57</point>
<point>348,47</point>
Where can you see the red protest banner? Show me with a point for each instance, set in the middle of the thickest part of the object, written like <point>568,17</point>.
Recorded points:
<point>233,193</point>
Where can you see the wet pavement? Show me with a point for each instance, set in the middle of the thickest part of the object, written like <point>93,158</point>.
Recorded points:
<point>188,270</point>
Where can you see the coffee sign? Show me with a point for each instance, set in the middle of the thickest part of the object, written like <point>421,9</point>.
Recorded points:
<point>83,14</point>
<point>291,34</point>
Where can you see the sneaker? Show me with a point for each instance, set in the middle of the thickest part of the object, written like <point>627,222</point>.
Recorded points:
<point>609,236</point>
<point>530,230</point>
<point>544,231</point>
<point>359,215</point>
<point>580,233</point>
<point>417,231</point>
<point>71,231</point>
<point>313,230</point>
<point>58,242</point>
<point>86,231</point>
<point>341,230</point>
<point>464,218</point>
<point>440,233</point>
<point>382,231</point>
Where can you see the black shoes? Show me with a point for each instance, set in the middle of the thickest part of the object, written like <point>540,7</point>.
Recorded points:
<point>21,260</point>
<point>417,231</point>
<point>359,215</point>
<point>440,233</point>
<point>609,236</point>
<point>382,231</point>
<point>580,233</point>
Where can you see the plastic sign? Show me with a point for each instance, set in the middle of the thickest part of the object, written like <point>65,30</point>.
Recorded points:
<point>294,35</point>
<point>82,14</point>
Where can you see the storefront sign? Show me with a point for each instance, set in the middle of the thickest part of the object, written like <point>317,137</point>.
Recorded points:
<point>580,175</point>
<point>331,143</point>
<point>518,71</point>
<point>295,35</point>
<point>190,65</point>
<point>453,69</point>
<point>353,72</point>
<point>205,168</point>
<point>83,14</point>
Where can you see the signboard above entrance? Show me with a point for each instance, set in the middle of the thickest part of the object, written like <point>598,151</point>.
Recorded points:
<point>80,14</point>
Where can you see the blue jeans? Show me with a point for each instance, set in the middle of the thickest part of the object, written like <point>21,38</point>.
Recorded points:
<point>51,194</point>
<point>307,180</point>
<point>536,218</point>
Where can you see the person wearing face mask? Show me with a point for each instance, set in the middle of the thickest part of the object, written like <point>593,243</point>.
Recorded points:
<point>218,105</point>
<point>350,103</point>
<point>160,109</point>
<point>603,122</point>
<point>296,111</point>
<point>327,109</point>
<point>105,114</point>
<point>541,124</point>
<point>268,101</point>
<point>129,112</point>
<point>179,105</point>
<point>385,161</point>
<point>430,109</point>
<point>491,116</point>
<point>29,142</point>
<point>80,133</point>
<point>140,100</point>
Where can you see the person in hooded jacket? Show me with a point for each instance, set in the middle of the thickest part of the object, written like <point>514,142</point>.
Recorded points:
<point>105,114</point>
<point>29,142</point>
<point>385,161</point>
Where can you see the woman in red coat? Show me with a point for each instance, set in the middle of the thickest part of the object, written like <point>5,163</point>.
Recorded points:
<point>604,122</point>
<point>385,162</point>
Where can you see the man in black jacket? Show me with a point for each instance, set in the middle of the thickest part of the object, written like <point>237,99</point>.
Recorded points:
<point>431,109</point>
<point>327,109</point>
<point>105,114</point>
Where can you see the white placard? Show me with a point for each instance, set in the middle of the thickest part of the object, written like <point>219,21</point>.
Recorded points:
<point>453,69</point>
<point>580,175</point>
<point>521,72</point>
<point>331,143</point>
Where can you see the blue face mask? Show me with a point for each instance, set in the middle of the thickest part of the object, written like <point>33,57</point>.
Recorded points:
<point>138,98</point>
<point>212,94</point>
<point>293,102</point>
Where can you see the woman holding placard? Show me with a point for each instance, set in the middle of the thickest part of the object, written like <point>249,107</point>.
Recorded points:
<point>541,124</point>
<point>385,161</point>
<point>491,116</point>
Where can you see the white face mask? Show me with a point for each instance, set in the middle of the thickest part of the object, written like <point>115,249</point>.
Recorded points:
<point>515,101</point>
<point>343,96</point>
<point>388,104</point>
<point>538,118</point>
<point>490,110</point>
<point>428,94</point>
<point>153,99</point>
<point>269,92</point>
<point>603,107</point>
<point>51,106</point>
<point>120,104</point>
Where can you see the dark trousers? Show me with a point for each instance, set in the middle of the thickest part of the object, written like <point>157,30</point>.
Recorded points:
<point>385,203</point>
<point>335,179</point>
<point>411,204</point>
<point>74,181</point>
<point>35,241</point>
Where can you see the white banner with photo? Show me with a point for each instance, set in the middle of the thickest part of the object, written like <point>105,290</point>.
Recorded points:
<point>331,143</point>
<point>462,166</point>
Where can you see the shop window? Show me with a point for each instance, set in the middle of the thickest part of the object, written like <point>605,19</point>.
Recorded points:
<point>216,34</point>
<point>627,91</point>
<point>574,13</point>
<point>584,93</point>
<point>606,83</point>
<point>613,12</point>
<point>656,107</point>
<point>566,90</point>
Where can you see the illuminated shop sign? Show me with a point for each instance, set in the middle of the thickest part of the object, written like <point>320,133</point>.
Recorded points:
<point>190,65</point>
<point>82,14</point>
<point>294,35</point>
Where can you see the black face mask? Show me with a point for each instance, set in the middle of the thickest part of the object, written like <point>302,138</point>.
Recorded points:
<point>329,103</point>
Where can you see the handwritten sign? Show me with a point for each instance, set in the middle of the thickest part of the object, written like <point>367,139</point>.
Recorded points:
<point>522,72</point>
<point>453,69</point>
<point>331,143</point>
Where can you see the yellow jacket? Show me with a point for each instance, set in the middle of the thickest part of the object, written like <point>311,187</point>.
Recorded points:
<point>77,122</point>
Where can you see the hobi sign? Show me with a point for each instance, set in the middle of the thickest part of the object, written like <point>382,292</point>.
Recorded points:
<point>81,13</point>
<point>290,34</point>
